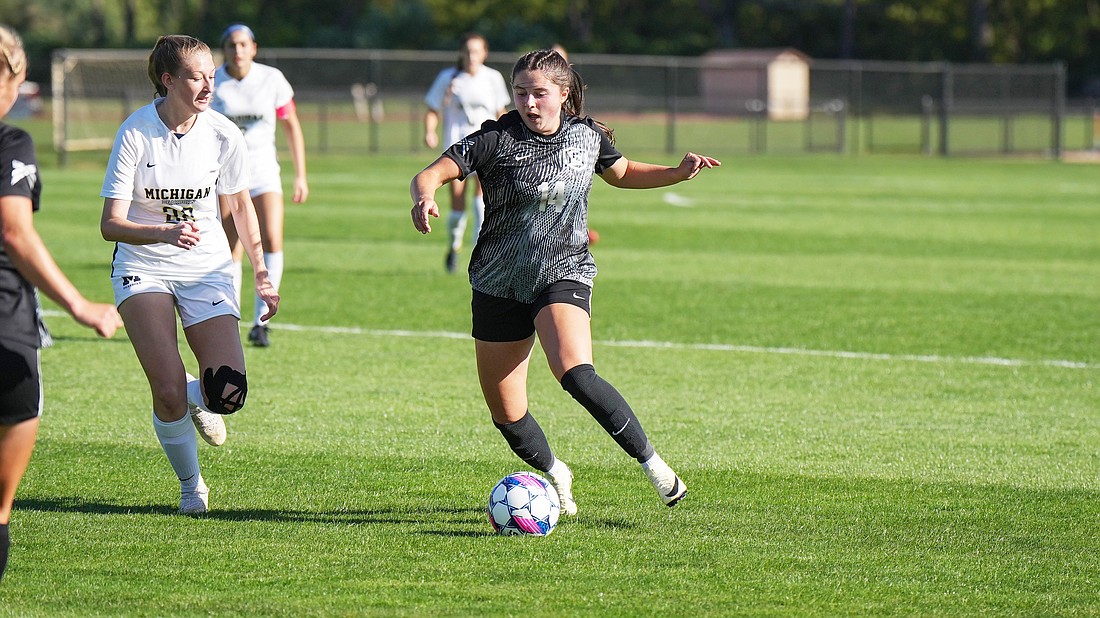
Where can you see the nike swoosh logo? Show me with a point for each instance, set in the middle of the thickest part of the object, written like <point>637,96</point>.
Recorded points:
<point>524,157</point>
<point>150,164</point>
<point>218,302</point>
<point>578,296</point>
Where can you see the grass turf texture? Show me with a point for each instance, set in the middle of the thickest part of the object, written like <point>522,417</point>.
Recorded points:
<point>875,483</point>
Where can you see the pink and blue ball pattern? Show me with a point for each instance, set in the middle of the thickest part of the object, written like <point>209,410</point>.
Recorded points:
<point>523,504</point>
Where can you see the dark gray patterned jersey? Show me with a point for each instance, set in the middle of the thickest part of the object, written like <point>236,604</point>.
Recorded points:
<point>536,187</point>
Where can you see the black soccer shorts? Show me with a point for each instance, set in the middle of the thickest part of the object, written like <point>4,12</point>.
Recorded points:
<point>503,319</point>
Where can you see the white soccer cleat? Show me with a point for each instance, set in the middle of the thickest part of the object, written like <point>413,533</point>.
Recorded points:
<point>562,478</point>
<point>664,480</point>
<point>196,501</point>
<point>210,426</point>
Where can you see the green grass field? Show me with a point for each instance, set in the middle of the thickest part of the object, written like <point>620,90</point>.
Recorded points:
<point>877,375</point>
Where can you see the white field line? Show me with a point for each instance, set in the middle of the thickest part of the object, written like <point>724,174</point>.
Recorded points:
<point>721,347</point>
<point>709,347</point>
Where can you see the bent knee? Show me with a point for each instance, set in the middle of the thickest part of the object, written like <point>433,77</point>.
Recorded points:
<point>225,389</point>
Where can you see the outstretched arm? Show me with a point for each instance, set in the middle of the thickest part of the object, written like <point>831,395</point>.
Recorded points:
<point>33,260</point>
<point>248,231</point>
<point>627,174</point>
<point>423,188</point>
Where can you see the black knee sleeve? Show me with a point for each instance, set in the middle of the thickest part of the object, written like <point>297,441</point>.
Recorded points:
<point>528,442</point>
<point>214,384</point>
<point>608,407</point>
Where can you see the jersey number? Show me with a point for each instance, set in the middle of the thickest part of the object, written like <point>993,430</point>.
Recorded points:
<point>175,215</point>
<point>552,197</point>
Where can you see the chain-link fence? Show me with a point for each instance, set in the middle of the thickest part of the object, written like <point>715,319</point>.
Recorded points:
<point>371,101</point>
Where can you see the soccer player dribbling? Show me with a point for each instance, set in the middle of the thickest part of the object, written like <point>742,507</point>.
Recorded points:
<point>173,163</point>
<point>531,270</point>
<point>25,265</point>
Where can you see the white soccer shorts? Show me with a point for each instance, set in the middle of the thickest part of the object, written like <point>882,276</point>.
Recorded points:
<point>196,301</point>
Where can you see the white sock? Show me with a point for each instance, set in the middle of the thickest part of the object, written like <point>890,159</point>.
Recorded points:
<point>653,462</point>
<point>456,228</point>
<point>180,444</point>
<point>238,278</point>
<point>557,468</point>
<point>274,263</point>
<point>479,215</point>
<point>194,393</point>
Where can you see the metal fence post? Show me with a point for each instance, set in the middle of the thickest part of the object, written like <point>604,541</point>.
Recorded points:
<point>671,102</point>
<point>1007,116</point>
<point>1092,128</point>
<point>947,98</point>
<point>927,108</point>
<point>841,127</point>
<point>856,97</point>
<point>1059,111</point>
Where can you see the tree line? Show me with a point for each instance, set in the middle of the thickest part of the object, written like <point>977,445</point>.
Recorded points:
<point>1001,31</point>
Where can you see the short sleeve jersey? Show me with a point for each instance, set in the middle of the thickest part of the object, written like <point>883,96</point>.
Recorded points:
<point>18,177</point>
<point>168,178</point>
<point>536,187</point>
<point>251,104</point>
<point>467,100</point>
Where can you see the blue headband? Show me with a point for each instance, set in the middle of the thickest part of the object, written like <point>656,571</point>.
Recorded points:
<point>237,28</point>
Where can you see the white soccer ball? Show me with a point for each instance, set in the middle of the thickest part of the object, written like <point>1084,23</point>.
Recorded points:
<point>524,503</point>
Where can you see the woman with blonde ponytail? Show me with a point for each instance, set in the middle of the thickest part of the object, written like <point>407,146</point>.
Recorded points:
<point>175,163</point>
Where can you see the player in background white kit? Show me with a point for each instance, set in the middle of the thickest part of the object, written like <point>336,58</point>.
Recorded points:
<point>257,97</point>
<point>465,95</point>
<point>173,163</point>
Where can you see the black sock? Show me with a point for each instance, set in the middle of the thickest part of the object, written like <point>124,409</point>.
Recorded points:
<point>608,407</point>
<point>5,542</point>
<point>528,441</point>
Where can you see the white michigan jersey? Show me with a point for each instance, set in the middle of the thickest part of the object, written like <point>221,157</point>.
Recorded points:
<point>169,178</point>
<point>467,100</point>
<point>252,104</point>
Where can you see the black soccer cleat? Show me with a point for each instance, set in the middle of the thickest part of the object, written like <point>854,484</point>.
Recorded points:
<point>258,336</point>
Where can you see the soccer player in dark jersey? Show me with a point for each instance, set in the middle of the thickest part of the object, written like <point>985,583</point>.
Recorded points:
<point>531,270</point>
<point>25,264</point>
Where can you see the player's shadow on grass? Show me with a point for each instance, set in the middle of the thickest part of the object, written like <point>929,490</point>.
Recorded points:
<point>459,522</point>
<point>459,518</point>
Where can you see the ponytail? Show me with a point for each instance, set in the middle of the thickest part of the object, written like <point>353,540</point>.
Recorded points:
<point>11,51</point>
<point>168,56</point>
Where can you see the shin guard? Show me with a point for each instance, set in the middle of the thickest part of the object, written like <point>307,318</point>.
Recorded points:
<point>608,407</point>
<point>528,442</point>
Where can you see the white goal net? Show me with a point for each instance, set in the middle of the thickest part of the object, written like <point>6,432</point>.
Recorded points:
<point>93,92</point>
